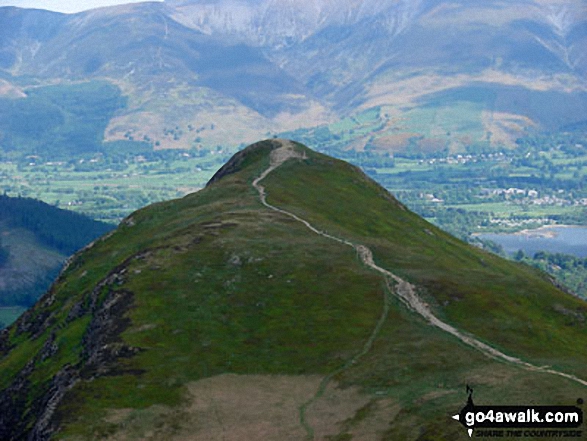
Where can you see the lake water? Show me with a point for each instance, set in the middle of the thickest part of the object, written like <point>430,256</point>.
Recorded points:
<point>561,239</point>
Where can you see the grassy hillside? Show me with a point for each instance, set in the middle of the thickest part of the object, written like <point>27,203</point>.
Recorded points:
<point>474,290</point>
<point>214,315</point>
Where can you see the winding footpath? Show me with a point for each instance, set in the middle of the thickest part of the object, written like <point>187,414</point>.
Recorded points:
<point>405,291</point>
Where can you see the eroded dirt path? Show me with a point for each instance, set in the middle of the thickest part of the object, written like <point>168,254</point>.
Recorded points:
<point>405,291</point>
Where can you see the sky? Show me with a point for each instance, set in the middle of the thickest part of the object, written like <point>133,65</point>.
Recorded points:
<point>68,6</point>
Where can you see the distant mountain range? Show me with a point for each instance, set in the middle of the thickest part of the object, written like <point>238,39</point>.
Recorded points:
<point>220,72</point>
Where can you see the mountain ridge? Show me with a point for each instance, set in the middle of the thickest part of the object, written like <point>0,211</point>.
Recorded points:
<point>246,69</point>
<point>188,294</point>
<point>404,290</point>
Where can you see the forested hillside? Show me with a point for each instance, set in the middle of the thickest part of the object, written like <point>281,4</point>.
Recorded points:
<point>35,240</point>
<point>62,230</point>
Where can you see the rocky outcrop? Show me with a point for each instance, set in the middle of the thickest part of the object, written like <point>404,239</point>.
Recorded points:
<point>102,345</point>
<point>45,424</point>
<point>13,405</point>
<point>27,415</point>
<point>5,345</point>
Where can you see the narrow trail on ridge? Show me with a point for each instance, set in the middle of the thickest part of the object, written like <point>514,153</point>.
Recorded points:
<point>405,291</point>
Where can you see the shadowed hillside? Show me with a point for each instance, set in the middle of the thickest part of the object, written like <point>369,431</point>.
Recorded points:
<point>36,239</point>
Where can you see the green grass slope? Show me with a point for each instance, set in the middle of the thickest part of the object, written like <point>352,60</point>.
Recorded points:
<point>142,335</point>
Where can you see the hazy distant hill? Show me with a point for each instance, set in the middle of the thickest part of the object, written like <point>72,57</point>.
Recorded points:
<point>475,70</point>
<point>36,239</point>
<point>260,308</point>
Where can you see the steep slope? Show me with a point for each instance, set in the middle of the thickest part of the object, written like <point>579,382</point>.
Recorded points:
<point>173,75</point>
<point>23,33</point>
<point>37,239</point>
<point>291,298</point>
<point>58,121</point>
<point>247,68</point>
